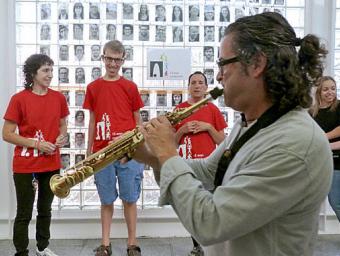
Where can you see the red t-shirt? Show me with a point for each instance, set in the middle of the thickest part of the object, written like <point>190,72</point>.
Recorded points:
<point>38,118</point>
<point>200,145</point>
<point>113,104</point>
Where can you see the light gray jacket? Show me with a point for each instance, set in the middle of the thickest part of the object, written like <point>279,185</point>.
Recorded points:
<point>269,201</point>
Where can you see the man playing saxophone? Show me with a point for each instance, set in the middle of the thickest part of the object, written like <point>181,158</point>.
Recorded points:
<point>274,169</point>
<point>114,104</point>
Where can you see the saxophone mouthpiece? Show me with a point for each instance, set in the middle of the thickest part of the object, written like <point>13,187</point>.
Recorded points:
<point>216,92</point>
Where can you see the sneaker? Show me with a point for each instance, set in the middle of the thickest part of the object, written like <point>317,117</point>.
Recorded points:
<point>133,250</point>
<point>45,252</point>
<point>103,250</point>
<point>196,251</point>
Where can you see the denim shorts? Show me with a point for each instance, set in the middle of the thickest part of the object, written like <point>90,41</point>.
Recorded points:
<point>129,177</point>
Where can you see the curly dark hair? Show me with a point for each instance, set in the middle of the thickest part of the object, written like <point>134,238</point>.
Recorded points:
<point>289,74</point>
<point>31,66</point>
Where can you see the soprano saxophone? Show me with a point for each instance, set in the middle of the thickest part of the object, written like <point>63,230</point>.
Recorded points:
<point>123,146</point>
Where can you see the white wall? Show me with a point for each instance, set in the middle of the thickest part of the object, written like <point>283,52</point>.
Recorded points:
<point>153,222</point>
<point>7,79</point>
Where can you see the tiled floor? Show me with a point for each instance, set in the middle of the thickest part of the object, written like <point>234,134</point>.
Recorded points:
<point>328,245</point>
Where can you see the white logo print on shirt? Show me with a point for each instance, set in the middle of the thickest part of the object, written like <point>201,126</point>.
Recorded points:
<point>186,148</point>
<point>38,137</point>
<point>103,128</point>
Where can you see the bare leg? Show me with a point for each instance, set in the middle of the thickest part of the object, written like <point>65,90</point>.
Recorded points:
<point>106,212</point>
<point>130,214</point>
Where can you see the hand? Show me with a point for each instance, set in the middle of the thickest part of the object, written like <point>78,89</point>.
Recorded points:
<point>200,126</point>
<point>46,147</point>
<point>160,138</point>
<point>61,140</point>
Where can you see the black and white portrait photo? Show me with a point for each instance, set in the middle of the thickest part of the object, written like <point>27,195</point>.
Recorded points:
<point>143,14</point>
<point>279,2</point>
<point>96,73</point>
<point>66,93</point>
<point>177,34</point>
<point>63,52</point>
<point>145,95</point>
<point>160,14</point>
<point>45,11</point>
<point>127,11</point>
<point>194,12</point>
<point>63,75</point>
<point>111,11</point>
<point>79,98</point>
<point>94,11</point>
<point>78,31</point>
<point>79,75</point>
<point>161,99</point>
<point>79,140</point>
<point>194,34</point>
<point>63,11</point>
<point>239,12</point>
<point>209,74</point>
<point>128,52</point>
<point>78,11</point>
<point>45,32</point>
<point>95,52</point>
<point>110,32</point>
<point>79,118</point>
<point>78,158</point>
<point>127,32</point>
<point>93,32</point>
<point>209,13</point>
<point>224,14</point>
<point>144,33</point>
<point>79,51</point>
<point>176,98</point>
<point>221,33</point>
<point>145,116</point>
<point>177,14</point>
<point>209,34</point>
<point>208,53</point>
<point>63,32</point>
<point>128,73</point>
<point>45,49</point>
<point>160,34</point>
<point>65,161</point>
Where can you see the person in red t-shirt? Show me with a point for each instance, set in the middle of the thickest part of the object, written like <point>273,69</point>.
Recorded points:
<point>198,134</point>
<point>114,104</point>
<point>36,155</point>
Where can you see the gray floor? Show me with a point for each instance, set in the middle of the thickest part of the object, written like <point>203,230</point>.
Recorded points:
<point>328,245</point>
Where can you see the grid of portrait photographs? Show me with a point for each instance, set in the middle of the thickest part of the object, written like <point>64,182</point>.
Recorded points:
<point>73,34</point>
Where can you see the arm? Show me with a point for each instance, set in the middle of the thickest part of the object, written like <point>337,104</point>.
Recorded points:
<point>335,145</point>
<point>136,116</point>
<point>9,135</point>
<point>217,136</point>
<point>92,123</point>
<point>184,129</point>
<point>62,138</point>
<point>199,126</point>
<point>335,133</point>
<point>252,197</point>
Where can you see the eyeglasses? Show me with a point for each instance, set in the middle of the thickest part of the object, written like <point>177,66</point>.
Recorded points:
<point>222,62</point>
<point>118,61</point>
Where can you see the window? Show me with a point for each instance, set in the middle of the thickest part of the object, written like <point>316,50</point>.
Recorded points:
<point>74,32</point>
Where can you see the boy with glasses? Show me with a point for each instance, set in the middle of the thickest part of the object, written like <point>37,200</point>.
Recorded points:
<point>114,104</point>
